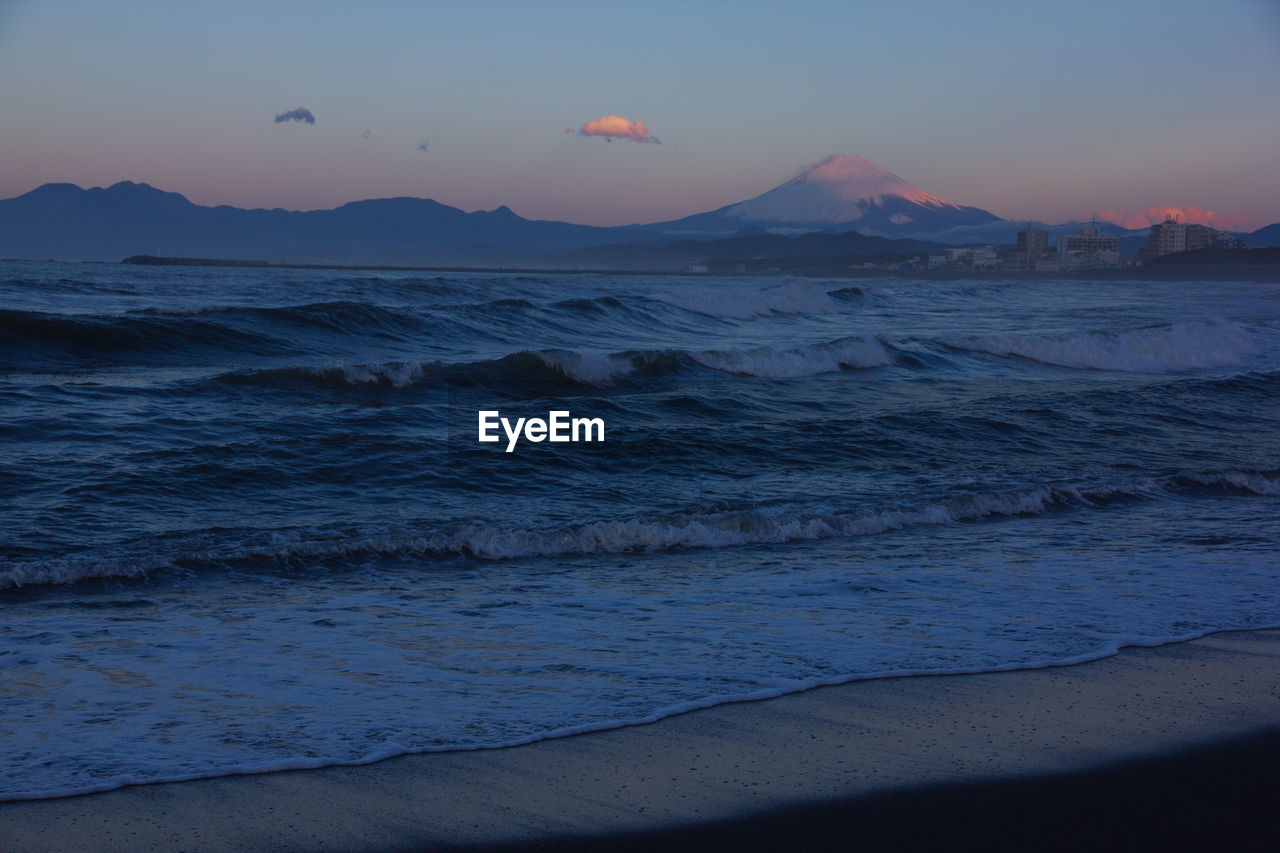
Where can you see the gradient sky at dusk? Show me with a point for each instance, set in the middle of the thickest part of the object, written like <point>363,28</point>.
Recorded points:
<point>1030,110</point>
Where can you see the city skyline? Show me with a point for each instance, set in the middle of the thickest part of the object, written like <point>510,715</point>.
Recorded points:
<point>1120,114</point>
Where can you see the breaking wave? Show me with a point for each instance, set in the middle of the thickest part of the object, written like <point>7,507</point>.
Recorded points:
<point>801,361</point>
<point>771,525</point>
<point>792,296</point>
<point>555,366</point>
<point>578,367</point>
<point>1165,349</point>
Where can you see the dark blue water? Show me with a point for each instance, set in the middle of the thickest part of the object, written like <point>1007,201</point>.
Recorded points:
<point>247,522</point>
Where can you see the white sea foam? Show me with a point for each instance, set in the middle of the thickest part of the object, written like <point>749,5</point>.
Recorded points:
<point>398,374</point>
<point>368,675</point>
<point>1166,349</point>
<point>771,525</point>
<point>800,361</point>
<point>73,569</point>
<point>756,526</point>
<point>752,690</point>
<point>1258,484</point>
<point>792,296</point>
<point>590,367</point>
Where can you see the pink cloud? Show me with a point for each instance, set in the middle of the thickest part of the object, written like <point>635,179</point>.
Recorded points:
<point>611,127</point>
<point>1193,215</point>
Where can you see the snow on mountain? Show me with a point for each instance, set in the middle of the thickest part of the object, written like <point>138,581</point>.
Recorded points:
<point>837,190</point>
<point>839,194</point>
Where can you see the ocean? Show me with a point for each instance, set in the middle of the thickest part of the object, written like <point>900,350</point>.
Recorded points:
<point>248,525</point>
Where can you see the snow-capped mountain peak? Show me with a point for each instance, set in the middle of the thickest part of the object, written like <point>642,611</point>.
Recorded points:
<point>839,189</point>
<point>838,194</point>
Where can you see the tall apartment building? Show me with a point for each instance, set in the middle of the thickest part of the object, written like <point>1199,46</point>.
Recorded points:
<point>1032,247</point>
<point>1173,236</point>
<point>1032,243</point>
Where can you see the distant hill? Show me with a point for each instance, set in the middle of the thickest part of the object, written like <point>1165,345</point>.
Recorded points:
<point>1264,238</point>
<point>66,222</point>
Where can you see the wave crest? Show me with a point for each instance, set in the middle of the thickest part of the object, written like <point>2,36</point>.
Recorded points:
<point>728,528</point>
<point>792,296</point>
<point>852,352</point>
<point>1182,346</point>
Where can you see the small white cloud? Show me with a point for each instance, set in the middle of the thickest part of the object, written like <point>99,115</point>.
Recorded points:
<point>616,127</point>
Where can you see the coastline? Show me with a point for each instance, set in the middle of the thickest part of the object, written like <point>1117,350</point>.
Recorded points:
<point>1263,269</point>
<point>981,753</point>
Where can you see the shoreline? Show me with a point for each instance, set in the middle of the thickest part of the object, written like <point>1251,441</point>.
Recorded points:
<point>298,765</point>
<point>1268,272</point>
<point>799,763</point>
<point>1235,274</point>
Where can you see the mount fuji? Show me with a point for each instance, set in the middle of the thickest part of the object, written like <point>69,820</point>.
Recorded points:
<point>841,193</point>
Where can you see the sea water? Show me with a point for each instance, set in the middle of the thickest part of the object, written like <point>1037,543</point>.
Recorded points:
<point>247,523</point>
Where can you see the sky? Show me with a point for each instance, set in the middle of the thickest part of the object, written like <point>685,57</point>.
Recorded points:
<point>1050,112</point>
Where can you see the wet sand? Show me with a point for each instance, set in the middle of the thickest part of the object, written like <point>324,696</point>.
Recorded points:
<point>1159,748</point>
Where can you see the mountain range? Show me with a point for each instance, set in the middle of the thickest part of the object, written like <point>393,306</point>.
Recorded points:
<point>66,222</point>
<point>829,201</point>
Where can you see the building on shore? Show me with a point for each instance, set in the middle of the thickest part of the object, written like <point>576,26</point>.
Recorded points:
<point>962,258</point>
<point>1173,236</point>
<point>1088,249</point>
<point>1227,241</point>
<point>1032,248</point>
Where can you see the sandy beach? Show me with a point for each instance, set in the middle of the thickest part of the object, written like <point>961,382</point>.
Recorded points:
<point>1150,747</point>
